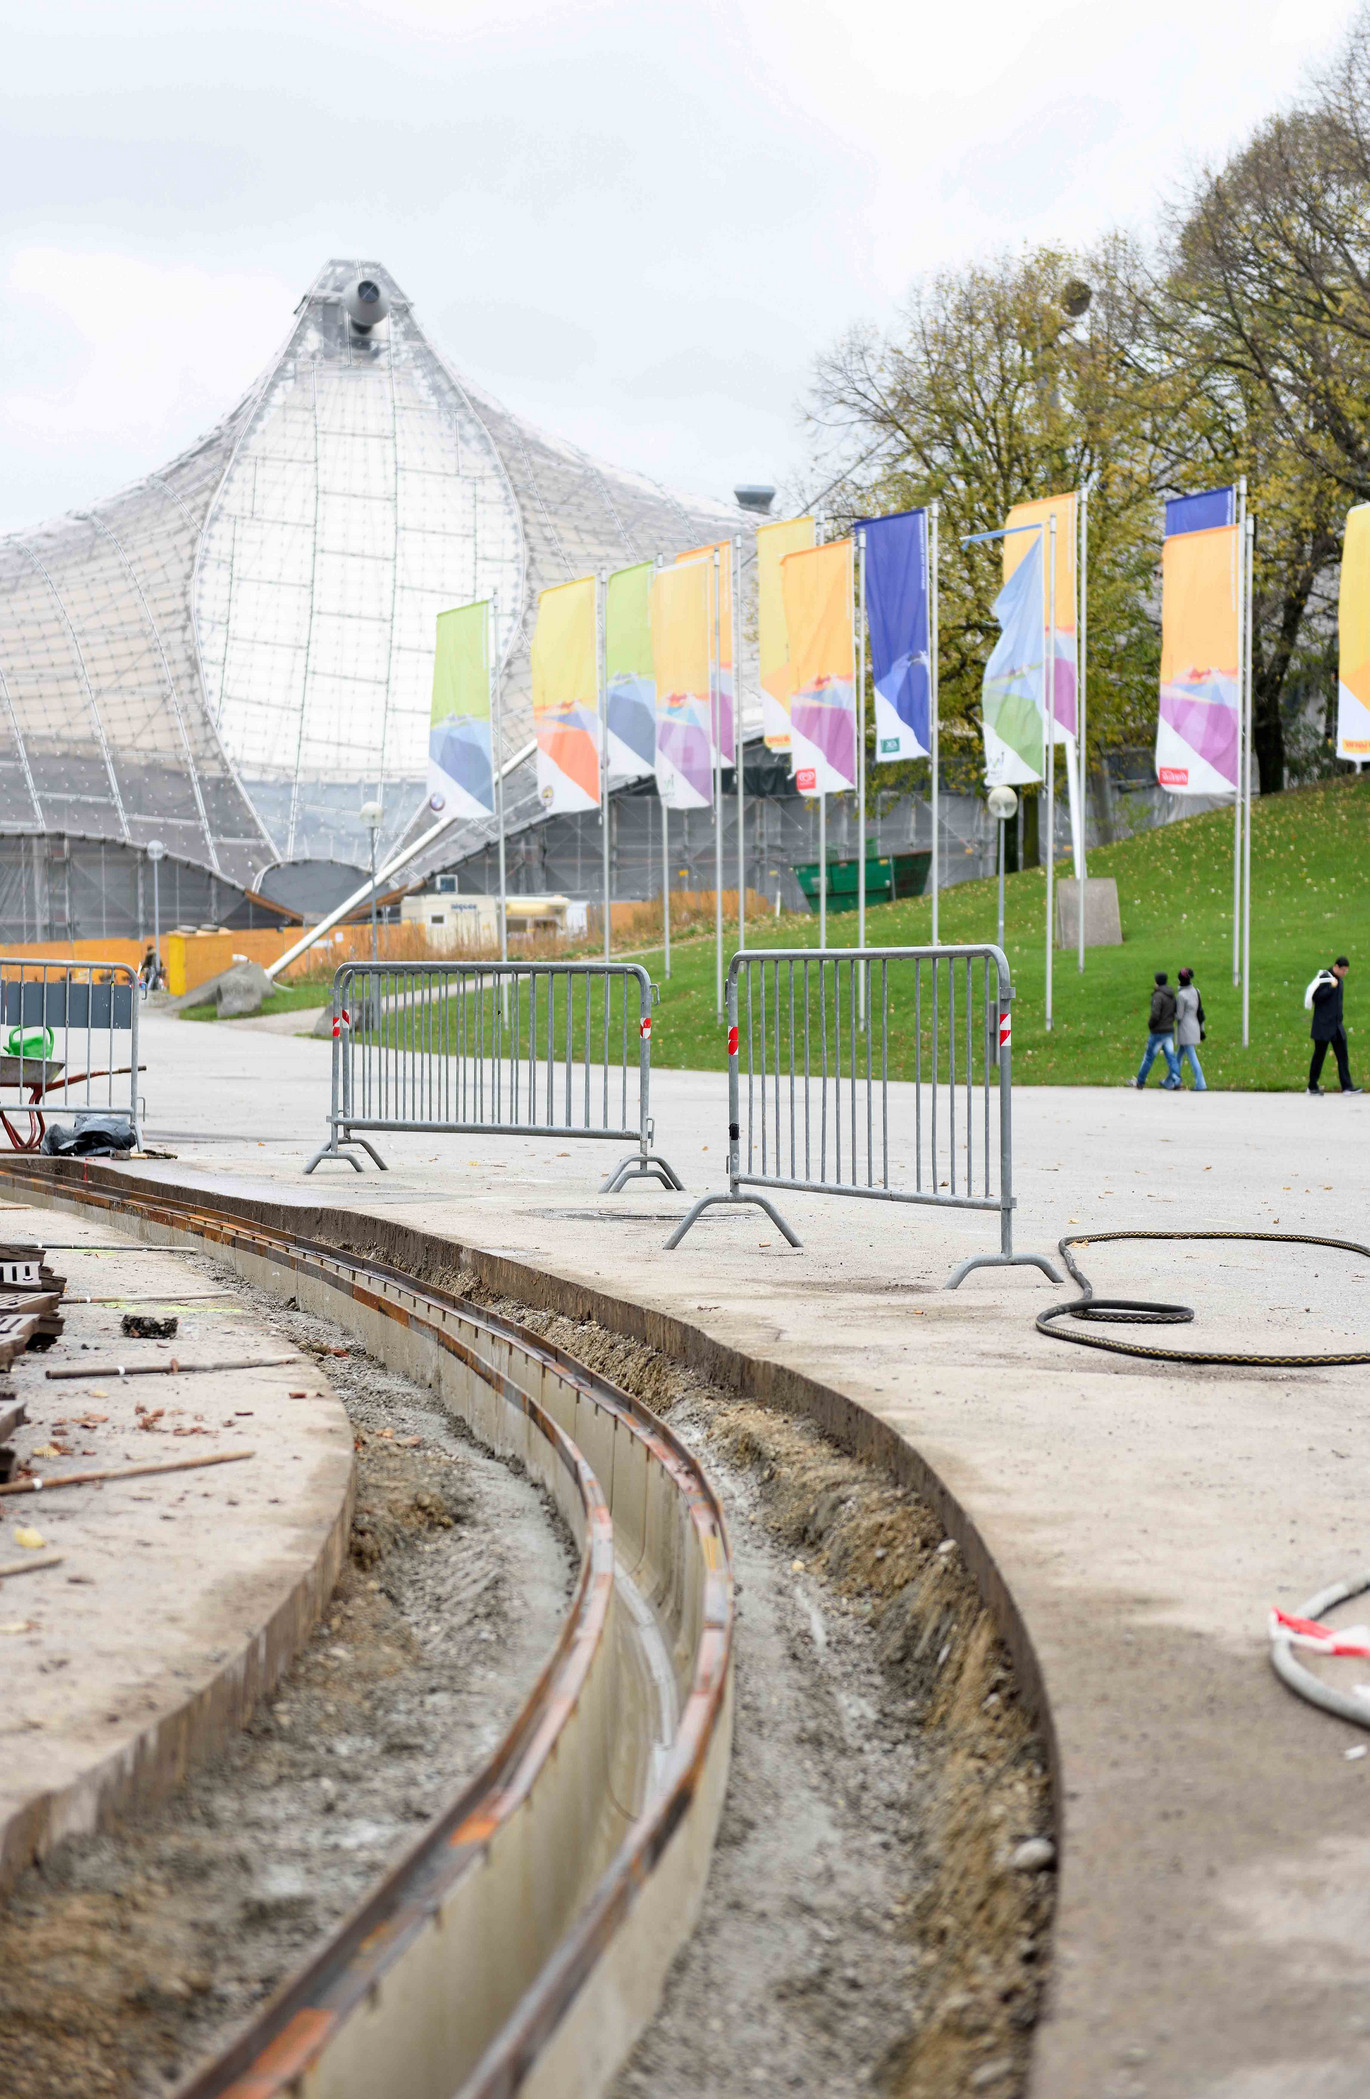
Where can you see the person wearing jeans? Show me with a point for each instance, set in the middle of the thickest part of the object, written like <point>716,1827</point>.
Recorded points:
<point>1189,1029</point>
<point>1161,1036</point>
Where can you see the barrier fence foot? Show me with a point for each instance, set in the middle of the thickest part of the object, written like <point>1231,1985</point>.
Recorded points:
<point>962,1270</point>
<point>733,1200</point>
<point>642,1166</point>
<point>344,1151</point>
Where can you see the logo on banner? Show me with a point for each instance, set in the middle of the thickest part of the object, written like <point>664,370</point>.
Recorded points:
<point>1359,744</point>
<point>889,746</point>
<point>806,779</point>
<point>1174,776</point>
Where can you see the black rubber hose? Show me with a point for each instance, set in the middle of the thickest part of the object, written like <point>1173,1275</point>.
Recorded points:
<point>1140,1311</point>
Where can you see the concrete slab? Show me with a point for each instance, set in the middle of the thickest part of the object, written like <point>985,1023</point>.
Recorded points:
<point>180,1597</point>
<point>1211,1937</point>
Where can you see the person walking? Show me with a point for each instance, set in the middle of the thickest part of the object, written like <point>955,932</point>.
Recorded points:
<point>1189,1029</point>
<point>1161,1036</point>
<point>1323,999</point>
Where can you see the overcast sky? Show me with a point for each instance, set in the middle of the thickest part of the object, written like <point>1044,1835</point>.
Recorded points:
<point>634,223</point>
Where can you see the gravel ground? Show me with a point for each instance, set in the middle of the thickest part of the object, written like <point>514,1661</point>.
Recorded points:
<point>125,1957</point>
<point>864,1927</point>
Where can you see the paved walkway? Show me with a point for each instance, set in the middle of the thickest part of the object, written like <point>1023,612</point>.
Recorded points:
<point>181,1596</point>
<point>1214,1921</point>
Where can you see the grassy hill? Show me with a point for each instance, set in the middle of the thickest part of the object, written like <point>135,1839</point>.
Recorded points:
<point>1310,883</point>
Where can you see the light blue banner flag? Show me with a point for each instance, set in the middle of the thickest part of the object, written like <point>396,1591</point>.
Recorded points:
<point>897,616</point>
<point>1011,700</point>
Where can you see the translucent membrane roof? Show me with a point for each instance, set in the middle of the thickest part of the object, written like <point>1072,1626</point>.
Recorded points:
<point>235,653</point>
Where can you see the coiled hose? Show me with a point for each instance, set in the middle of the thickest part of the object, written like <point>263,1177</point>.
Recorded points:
<point>1140,1311</point>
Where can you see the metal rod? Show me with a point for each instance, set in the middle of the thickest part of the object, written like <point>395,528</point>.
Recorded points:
<point>1049,694</point>
<point>1001,883</point>
<point>125,1472</point>
<point>934,512</point>
<point>737,741</point>
<point>859,555</point>
<point>1249,552</point>
<point>496,713</point>
<point>1240,581</point>
<point>666,884</point>
<point>601,683</point>
<point>1081,725</point>
<point>716,699</point>
<point>822,861</point>
<point>171,1368</point>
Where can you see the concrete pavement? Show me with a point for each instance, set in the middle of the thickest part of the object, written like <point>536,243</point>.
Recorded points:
<point>1213,1933</point>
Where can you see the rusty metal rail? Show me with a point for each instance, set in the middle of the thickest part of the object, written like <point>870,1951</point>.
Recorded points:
<point>521,1944</point>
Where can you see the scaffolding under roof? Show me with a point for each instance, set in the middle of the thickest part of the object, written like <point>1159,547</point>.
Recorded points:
<point>235,653</point>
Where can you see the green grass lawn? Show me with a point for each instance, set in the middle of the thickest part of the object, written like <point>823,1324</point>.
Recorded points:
<point>1310,900</point>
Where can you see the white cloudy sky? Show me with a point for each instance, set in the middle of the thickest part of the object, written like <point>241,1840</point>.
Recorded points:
<point>634,223</point>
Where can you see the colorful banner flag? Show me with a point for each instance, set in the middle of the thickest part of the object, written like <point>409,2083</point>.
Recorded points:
<point>721,636</point>
<point>1011,710</point>
<point>1196,730</point>
<point>629,677</point>
<point>897,616</point>
<point>1065,510</point>
<point>682,646</point>
<point>1353,622</point>
<point>819,621</point>
<point>566,697</point>
<point>460,773</point>
<point>791,535</point>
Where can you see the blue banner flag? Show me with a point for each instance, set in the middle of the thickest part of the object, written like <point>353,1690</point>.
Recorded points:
<point>897,616</point>
<point>1216,506</point>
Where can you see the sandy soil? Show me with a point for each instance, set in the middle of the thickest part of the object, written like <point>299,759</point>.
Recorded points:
<point>127,1956</point>
<point>864,1927</point>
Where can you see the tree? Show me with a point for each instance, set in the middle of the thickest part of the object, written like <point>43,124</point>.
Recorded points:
<point>1018,378</point>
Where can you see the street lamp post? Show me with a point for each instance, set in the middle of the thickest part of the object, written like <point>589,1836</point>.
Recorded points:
<point>371,814</point>
<point>156,853</point>
<point>1002,804</point>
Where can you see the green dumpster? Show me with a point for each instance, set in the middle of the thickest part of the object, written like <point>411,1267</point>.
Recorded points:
<point>888,878</point>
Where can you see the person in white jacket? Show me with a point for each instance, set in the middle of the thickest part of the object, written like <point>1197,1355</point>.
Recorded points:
<point>1189,1028</point>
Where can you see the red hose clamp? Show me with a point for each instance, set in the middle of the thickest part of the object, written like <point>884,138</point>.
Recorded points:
<point>1005,1031</point>
<point>732,1042</point>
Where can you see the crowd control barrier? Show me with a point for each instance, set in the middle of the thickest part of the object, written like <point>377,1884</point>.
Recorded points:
<point>531,1049</point>
<point>877,1072</point>
<point>68,1046</point>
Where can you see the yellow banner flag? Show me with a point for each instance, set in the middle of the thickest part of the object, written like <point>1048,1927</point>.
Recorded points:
<point>565,663</point>
<point>1353,622</point>
<point>720,634</point>
<point>820,617</point>
<point>773,542</point>
<point>682,652</point>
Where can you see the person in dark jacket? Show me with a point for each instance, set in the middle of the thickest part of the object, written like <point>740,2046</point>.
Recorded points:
<point>1161,1036</point>
<point>1328,1031</point>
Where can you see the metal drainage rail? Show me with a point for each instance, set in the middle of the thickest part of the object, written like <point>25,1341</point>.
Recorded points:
<point>521,1944</point>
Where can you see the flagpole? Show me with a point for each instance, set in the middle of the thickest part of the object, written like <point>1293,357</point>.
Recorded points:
<point>716,702</point>
<point>666,881</point>
<point>1249,579</point>
<point>603,749</point>
<point>859,556</point>
<point>491,660</point>
<point>933,563</point>
<point>1081,721</point>
<point>1241,735</point>
<point>1049,695</point>
<point>736,573</point>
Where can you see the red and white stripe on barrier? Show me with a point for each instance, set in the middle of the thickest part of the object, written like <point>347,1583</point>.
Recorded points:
<point>340,1021</point>
<point>1323,1639</point>
<point>644,1027</point>
<point>732,1042</point>
<point>1005,1031</point>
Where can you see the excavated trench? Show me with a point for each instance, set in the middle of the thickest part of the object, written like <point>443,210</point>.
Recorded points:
<point>872,1920</point>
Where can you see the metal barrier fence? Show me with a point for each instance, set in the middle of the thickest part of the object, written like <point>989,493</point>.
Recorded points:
<point>531,1049</point>
<point>62,1050</point>
<point>818,1038</point>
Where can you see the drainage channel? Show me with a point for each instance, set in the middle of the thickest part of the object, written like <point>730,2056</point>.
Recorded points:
<point>521,1943</point>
